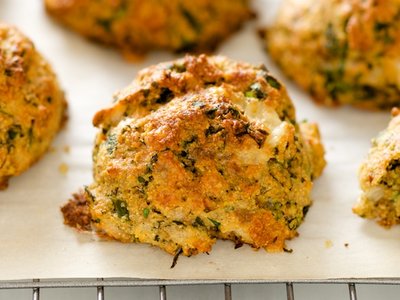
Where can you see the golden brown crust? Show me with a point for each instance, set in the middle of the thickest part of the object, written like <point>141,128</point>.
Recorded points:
<point>32,105</point>
<point>340,51</point>
<point>380,177</point>
<point>198,149</point>
<point>137,26</point>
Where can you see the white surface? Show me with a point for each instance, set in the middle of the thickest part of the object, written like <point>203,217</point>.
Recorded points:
<point>34,243</point>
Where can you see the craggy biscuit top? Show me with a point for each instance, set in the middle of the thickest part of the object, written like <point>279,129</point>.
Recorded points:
<point>198,149</point>
<point>341,51</point>
<point>32,106</point>
<point>137,26</point>
<point>380,177</point>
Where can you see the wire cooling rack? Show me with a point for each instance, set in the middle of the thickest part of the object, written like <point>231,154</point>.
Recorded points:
<point>100,284</point>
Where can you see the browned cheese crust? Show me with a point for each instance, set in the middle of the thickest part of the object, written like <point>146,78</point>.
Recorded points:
<point>32,106</point>
<point>380,177</point>
<point>137,26</point>
<point>341,51</point>
<point>198,149</point>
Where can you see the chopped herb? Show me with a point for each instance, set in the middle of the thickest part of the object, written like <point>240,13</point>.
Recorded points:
<point>178,252</point>
<point>96,220</point>
<point>382,32</point>
<point>145,92</point>
<point>238,244</point>
<point>178,222</point>
<point>192,139</point>
<point>212,130</point>
<point>332,42</point>
<point>8,72</point>
<point>366,92</point>
<point>31,133</point>
<point>111,143</point>
<point>305,210</point>
<point>13,132</point>
<point>211,112</point>
<point>105,24</point>
<point>179,68</point>
<point>273,82</point>
<point>141,179</point>
<point>193,22</point>
<point>216,223</point>
<point>234,112</point>
<point>121,208</point>
<point>166,95</point>
<point>154,158</point>
<point>255,91</point>
<point>198,222</point>
<point>187,162</point>
<point>146,212</point>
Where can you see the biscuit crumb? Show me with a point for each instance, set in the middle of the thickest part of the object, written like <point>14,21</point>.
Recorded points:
<point>76,212</point>
<point>328,244</point>
<point>346,245</point>
<point>63,168</point>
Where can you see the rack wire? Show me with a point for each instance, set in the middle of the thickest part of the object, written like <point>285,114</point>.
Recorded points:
<point>100,284</point>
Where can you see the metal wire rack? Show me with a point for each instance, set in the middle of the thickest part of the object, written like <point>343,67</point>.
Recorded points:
<point>100,284</point>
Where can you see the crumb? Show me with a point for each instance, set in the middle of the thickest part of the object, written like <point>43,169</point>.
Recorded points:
<point>346,245</point>
<point>76,212</point>
<point>63,168</point>
<point>328,244</point>
<point>66,149</point>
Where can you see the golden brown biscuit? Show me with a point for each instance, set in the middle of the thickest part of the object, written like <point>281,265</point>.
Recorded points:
<point>137,26</point>
<point>198,149</point>
<point>341,51</point>
<point>32,105</point>
<point>380,177</point>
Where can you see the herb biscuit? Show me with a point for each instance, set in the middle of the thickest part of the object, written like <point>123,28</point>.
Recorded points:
<point>32,105</point>
<point>199,149</point>
<point>137,26</point>
<point>340,51</point>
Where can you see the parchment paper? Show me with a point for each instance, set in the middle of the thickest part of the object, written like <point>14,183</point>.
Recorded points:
<point>34,243</point>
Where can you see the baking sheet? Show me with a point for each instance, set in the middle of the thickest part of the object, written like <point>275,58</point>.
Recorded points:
<point>34,243</point>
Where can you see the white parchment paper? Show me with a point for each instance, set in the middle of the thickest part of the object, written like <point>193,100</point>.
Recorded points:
<point>34,243</point>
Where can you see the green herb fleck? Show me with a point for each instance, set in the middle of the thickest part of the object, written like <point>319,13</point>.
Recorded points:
<point>255,91</point>
<point>211,112</point>
<point>198,222</point>
<point>121,208</point>
<point>179,68</point>
<point>273,82</point>
<point>166,95</point>
<point>212,130</point>
<point>146,212</point>
<point>216,223</point>
<point>111,143</point>
<point>193,22</point>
